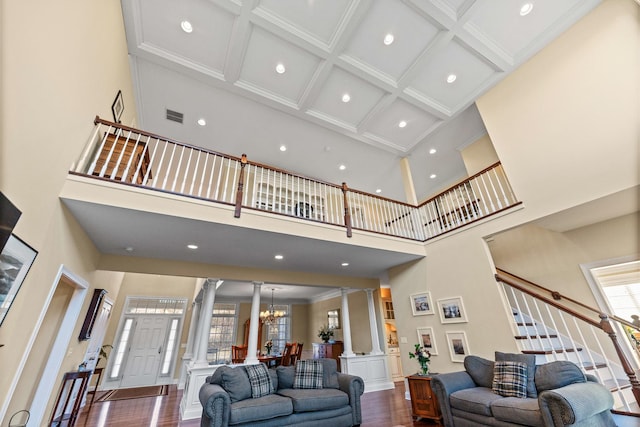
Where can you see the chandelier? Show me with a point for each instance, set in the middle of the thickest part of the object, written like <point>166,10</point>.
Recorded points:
<point>271,315</point>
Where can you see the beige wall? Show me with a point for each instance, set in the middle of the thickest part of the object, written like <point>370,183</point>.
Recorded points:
<point>479,155</point>
<point>53,82</point>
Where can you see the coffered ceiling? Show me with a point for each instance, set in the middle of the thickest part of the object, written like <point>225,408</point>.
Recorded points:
<point>224,71</point>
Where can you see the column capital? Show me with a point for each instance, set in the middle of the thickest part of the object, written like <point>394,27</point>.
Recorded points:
<point>209,282</point>
<point>257,283</point>
<point>369,291</point>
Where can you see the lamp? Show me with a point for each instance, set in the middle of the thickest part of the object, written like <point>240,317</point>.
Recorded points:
<point>271,316</point>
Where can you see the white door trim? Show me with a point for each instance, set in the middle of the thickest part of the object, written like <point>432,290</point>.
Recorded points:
<point>58,351</point>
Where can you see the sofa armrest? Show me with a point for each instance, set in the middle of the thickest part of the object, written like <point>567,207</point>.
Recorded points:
<point>353,385</point>
<point>445,384</point>
<point>216,406</point>
<point>575,403</point>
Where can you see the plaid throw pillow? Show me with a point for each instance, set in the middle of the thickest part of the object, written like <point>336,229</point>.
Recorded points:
<point>510,379</point>
<point>308,374</point>
<point>259,379</point>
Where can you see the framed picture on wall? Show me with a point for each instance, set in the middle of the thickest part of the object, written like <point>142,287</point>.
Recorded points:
<point>117,107</point>
<point>421,304</point>
<point>458,346</point>
<point>427,339</point>
<point>15,261</point>
<point>452,310</point>
<point>333,318</point>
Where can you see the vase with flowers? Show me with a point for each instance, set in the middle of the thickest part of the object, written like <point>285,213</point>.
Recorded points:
<point>424,357</point>
<point>268,345</point>
<point>325,333</point>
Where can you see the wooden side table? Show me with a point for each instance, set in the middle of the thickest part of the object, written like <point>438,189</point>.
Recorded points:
<point>423,400</point>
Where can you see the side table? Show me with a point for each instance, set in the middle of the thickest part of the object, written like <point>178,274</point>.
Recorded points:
<point>424,403</point>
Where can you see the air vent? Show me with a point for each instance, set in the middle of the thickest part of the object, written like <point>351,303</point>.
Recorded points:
<point>175,116</point>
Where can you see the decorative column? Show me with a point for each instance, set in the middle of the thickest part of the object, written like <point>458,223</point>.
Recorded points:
<point>204,329</point>
<point>346,325</point>
<point>195,317</point>
<point>373,325</point>
<point>252,345</point>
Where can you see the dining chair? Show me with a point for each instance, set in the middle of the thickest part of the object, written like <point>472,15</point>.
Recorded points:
<point>285,360</point>
<point>238,353</point>
<point>296,352</point>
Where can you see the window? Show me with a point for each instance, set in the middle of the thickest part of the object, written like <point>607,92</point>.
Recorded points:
<point>121,347</point>
<point>222,335</point>
<point>280,331</point>
<point>171,345</point>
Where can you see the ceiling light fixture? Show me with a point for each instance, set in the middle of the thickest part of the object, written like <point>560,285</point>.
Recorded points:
<point>526,9</point>
<point>402,124</point>
<point>192,246</point>
<point>432,176</point>
<point>186,27</point>
<point>388,39</point>
<point>271,316</point>
<point>202,122</point>
<point>279,257</point>
<point>280,68</point>
<point>129,249</point>
<point>342,167</point>
<point>346,98</point>
<point>378,190</point>
<point>451,78</point>
<point>345,264</point>
<point>283,148</point>
<point>433,151</point>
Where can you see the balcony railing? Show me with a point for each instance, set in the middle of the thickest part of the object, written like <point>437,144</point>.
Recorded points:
<point>134,157</point>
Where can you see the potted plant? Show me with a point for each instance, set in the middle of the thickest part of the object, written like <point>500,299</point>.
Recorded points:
<point>325,333</point>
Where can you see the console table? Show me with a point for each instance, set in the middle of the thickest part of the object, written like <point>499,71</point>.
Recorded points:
<point>423,400</point>
<point>67,406</point>
<point>328,350</point>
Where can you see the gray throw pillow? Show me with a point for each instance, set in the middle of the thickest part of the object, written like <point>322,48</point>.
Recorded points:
<point>285,376</point>
<point>530,361</point>
<point>235,382</point>
<point>330,373</point>
<point>560,373</point>
<point>480,370</point>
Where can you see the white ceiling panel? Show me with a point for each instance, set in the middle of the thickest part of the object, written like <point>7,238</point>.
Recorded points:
<point>206,45</point>
<point>386,124</point>
<point>362,97</point>
<point>471,71</point>
<point>412,34</point>
<point>316,19</point>
<point>264,52</point>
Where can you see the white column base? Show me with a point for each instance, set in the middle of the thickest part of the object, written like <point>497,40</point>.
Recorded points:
<point>190,406</point>
<point>373,369</point>
<point>186,360</point>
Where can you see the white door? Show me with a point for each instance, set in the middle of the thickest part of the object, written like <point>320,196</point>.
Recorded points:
<point>97,334</point>
<point>146,352</point>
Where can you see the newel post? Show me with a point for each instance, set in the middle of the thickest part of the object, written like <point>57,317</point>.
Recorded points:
<point>605,324</point>
<point>347,211</point>
<point>240,190</point>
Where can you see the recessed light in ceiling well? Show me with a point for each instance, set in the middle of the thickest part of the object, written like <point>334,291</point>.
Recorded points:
<point>342,167</point>
<point>345,264</point>
<point>192,246</point>
<point>283,148</point>
<point>346,98</point>
<point>451,78</point>
<point>202,122</point>
<point>526,9</point>
<point>388,39</point>
<point>279,257</point>
<point>378,190</point>
<point>433,176</point>
<point>280,69</point>
<point>186,27</point>
<point>433,151</point>
<point>402,124</point>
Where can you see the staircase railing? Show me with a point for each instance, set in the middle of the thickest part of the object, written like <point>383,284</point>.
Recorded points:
<point>134,157</point>
<point>555,326</point>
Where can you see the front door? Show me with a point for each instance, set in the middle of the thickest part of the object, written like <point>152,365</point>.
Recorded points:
<point>146,351</point>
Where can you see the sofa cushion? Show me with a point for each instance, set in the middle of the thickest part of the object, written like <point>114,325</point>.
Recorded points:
<point>510,379</point>
<point>330,373</point>
<point>260,380</point>
<point>309,374</point>
<point>306,400</point>
<point>530,361</point>
<point>480,370</point>
<point>286,374</point>
<point>519,411</point>
<point>262,408</point>
<point>476,400</point>
<point>235,382</point>
<point>558,374</point>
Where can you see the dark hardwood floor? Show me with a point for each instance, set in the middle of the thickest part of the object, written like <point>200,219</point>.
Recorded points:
<point>386,408</point>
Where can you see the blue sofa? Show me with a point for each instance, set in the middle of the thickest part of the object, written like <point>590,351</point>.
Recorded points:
<point>227,397</point>
<point>552,394</point>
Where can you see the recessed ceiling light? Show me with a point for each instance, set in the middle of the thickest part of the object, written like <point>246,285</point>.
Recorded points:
<point>342,167</point>
<point>202,122</point>
<point>451,78</point>
<point>186,26</point>
<point>346,98</point>
<point>388,39</point>
<point>279,257</point>
<point>280,68</point>
<point>345,264</point>
<point>433,151</point>
<point>192,246</point>
<point>432,176</point>
<point>378,190</point>
<point>129,249</point>
<point>283,148</point>
<point>402,124</point>
<point>526,9</point>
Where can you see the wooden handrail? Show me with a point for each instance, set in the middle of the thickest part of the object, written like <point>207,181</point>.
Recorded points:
<point>558,296</point>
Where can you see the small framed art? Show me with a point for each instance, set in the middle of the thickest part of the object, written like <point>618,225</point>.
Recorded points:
<point>421,304</point>
<point>452,310</point>
<point>458,346</point>
<point>117,107</point>
<point>427,339</point>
